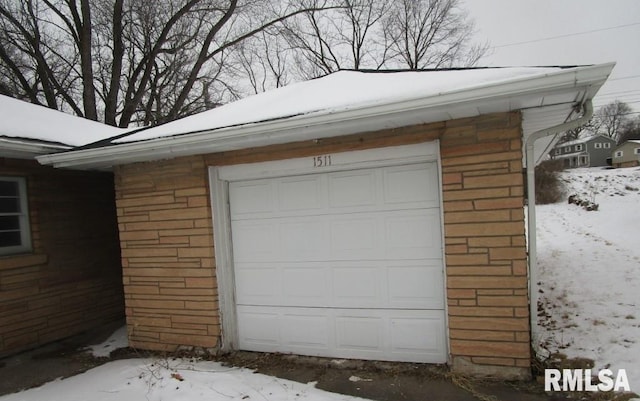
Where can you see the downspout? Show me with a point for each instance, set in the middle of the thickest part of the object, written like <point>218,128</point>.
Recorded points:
<point>587,108</point>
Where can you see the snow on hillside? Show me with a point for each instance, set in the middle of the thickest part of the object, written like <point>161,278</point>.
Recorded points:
<point>589,271</point>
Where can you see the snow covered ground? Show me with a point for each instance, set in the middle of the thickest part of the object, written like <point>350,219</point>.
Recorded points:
<point>176,380</point>
<point>589,269</point>
<point>170,379</point>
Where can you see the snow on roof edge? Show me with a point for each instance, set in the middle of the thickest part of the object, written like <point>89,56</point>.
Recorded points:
<point>586,80</point>
<point>476,81</point>
<point>28,121</point>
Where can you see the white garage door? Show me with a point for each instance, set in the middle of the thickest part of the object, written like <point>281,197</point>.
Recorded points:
<point>345,264</point>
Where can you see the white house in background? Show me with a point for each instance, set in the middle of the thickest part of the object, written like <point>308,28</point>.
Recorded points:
<point>626,154</point>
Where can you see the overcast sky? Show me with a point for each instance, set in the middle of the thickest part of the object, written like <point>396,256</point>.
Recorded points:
<point>565,32</point>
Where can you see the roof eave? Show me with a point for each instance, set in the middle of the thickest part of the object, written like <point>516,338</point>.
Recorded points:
<point>18,149</point>
<point>515,95</point>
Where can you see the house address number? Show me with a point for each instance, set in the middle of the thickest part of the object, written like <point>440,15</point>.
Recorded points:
<point>322,161</point>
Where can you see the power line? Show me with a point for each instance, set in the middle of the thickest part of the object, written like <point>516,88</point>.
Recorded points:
<point>621,78</point>
<point>566,35</point>
<point>618,92</point>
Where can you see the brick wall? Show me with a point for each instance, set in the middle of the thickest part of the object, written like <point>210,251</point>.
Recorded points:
<point>485,249</point>
<point>71,281</point>
<point>166,237</point>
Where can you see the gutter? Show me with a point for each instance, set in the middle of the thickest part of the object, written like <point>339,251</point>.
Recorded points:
<point>326,123</point>
<point>16,148</point>
<point>587,113</point>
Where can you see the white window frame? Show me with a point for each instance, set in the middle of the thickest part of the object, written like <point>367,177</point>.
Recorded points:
<point>607,145</point>
<point>597,145</point>
<point>578,147</point>
<point>619,153</point>
<point>636,151</point>
<point>23,215</point>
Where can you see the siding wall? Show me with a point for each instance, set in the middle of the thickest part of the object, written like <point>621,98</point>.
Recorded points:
<point>629,157</point>
<point>167,240</point>
<point>71,281</point>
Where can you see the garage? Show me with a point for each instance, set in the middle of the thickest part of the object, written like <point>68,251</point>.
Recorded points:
<point>342,259</point>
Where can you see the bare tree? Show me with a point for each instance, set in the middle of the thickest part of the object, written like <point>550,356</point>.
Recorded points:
<point>572,134</point>
<point>124,61</point>
<point>263,62</point>
<point>148,62</point>
<point>372,34</point>
<point>630,130</point>
<point>347,38</point>
<point>313,39</point>
<point>609,120</point>
<point>431,34</point>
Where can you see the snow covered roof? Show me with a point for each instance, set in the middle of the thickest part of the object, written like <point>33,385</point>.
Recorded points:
<point>583,140</point>
<point>349,102</point>
<point>28,129</point>
<point>340,91</point>
<point>569,155</point>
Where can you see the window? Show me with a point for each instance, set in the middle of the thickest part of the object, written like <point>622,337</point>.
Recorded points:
<point>558,151</point>
<point>597,145</point>
<point>578,147</point>
<point>607,145</point>
<point>636,151</point>
<point>619,153</point>
<point>15,233</point>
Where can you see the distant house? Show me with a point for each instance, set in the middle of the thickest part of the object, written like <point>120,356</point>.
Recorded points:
<point>59,253</point>
<point>626,154</point>
<point>591,151</point>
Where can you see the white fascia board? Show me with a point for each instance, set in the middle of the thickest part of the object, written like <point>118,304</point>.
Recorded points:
<point>17,149</point>
<point>327,123</point>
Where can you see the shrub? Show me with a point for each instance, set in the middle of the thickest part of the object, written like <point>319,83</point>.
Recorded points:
<point>549,187</point>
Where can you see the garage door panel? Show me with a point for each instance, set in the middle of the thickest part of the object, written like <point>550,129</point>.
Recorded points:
<point>355,237</point>
<point>413,235</point>
<point>411,184</point>
<point>260,328</point>
<point>357,287</point>
<point>251,197</point>
<point>359,333</point>
<point>407,234</point>
<point>305,286</point>
<point>302,239</point>
<point>362,284</point>
<point>258,286</point>
<point>408,335</point>
<point>300,193</point>
<point>416,286</point>
<point>352,189</point>
<point>306,330</point>
<point>254,241</point>
<point>405,343</point>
